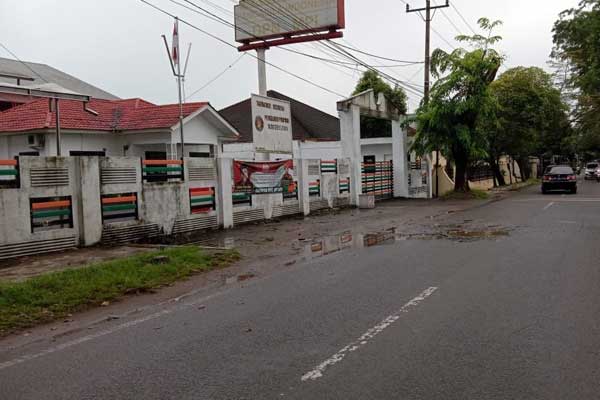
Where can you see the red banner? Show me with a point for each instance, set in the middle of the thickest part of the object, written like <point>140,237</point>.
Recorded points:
<point>263,177</point>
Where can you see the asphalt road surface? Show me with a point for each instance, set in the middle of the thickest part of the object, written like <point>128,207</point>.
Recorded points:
<point>500,302</point>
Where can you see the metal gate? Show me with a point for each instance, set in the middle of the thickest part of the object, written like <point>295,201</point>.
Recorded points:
<point>378,179</point>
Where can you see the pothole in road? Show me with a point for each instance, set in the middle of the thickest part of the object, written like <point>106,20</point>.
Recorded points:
<point>320,247</point>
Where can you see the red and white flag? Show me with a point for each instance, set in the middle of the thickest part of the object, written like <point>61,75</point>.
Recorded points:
<point>175,47</point>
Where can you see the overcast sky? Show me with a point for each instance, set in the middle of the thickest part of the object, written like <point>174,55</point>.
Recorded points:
<point>116,45</point>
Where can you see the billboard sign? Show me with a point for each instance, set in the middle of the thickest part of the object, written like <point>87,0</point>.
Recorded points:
<point>271,125</point>
<point>258,20</point>
<point>264,177</point>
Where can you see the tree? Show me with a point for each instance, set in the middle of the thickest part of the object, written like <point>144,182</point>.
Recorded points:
<point>374,127</point>
<point>460,102</point>
<point>531,118</point>
<point>576,39</point>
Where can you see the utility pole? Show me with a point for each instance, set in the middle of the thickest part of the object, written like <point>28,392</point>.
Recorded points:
<point>427,82</point>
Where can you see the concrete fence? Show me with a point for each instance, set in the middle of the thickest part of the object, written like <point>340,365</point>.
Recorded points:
<point>64,202</point>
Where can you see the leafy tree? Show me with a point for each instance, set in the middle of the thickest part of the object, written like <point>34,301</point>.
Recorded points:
<point>576,45</point>
<point>460,102</point>
<point>374,127</point>
<point>531,118</point>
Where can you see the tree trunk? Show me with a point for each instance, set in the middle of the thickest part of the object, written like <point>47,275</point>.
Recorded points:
<point>461,184</point>
<point>525,168</point>
<point>498,177</point>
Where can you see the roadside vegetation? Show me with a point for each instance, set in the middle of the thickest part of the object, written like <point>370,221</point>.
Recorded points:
<point>57,295</point>
<point>476,116</point>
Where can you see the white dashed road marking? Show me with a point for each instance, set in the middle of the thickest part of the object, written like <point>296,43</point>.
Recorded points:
<point>548,206</point>
<point>366,337</point>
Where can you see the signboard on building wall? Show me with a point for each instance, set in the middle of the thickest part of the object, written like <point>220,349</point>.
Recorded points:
<point>258,20</point>
<point>271,125</point>
<point>263,177</point>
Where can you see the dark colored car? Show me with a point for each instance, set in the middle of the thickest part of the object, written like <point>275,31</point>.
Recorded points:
<point>561,177</point>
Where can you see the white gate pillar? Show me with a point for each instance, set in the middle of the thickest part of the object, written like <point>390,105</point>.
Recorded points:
<point>350,137</point>
<point>400,150</point>
<point>224,192</point>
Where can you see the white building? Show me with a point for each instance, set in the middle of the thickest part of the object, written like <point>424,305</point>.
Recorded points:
<point>132,127</point>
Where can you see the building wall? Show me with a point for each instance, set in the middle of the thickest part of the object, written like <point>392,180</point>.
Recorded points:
<point>382,152</point>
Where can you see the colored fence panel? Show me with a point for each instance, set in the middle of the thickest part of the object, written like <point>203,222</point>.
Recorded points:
<point>314,188</point>
<point>378,179</point>
<point>49,213</point>
<point>119,207</point>
<point>162,170</point>
<point>329,166</point>
<point>202,200</point>
<point>9,174</point>
<point>290,191</point>
<point>242,199</point>
<point>344,185</point>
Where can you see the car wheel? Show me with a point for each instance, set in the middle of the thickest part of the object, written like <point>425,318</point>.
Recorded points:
<point>574,191</point>
<point>544,191</point>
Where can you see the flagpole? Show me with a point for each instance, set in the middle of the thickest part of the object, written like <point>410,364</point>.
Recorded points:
<point>181,136</point>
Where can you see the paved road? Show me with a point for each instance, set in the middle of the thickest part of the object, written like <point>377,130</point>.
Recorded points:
<point>503,317</point>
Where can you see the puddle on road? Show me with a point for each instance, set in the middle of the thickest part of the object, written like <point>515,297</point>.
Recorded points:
<point>311,249</point>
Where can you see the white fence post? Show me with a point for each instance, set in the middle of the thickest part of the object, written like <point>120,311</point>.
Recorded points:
<point>224,192</point>
<point>401,168</point>
<point>89,207</point>
<point>303,186</point>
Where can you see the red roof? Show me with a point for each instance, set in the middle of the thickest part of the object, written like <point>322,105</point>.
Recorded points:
<point>113,115</point>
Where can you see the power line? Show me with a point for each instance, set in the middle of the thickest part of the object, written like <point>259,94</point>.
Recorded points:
<point>22,62</point>
<point>210,82</point>
<point>286,23</point>
<point>231,45</point>
<point>331,45</point>
<point>449,20</point>
<point>463,18</point>
<point>380,57</point>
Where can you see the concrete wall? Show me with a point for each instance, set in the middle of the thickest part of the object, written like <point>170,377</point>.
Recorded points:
<point>16,235</point>
<point>163,208</point>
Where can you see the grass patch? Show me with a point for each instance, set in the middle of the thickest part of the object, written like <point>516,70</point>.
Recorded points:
<point>55,295</point>
<point>473,194</point>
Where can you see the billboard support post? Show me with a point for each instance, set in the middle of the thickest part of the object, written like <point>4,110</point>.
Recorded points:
<point>262,71</point>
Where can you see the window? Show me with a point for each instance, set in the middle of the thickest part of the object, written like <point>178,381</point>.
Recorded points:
<point>88,153</point>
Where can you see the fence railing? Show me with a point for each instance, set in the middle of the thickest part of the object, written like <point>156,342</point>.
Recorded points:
<point>314,188</point>
<point>329,166</point>
<point>344,185</point>
<point>49,213</point>
<point>202,200</point>
<point>378,179</point>
<point>119,207</point>
<point>9,173</point>
<point>162,170</point>
<point>480,173</point>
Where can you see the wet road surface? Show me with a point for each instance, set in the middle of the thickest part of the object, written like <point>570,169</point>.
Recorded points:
<point>500,302</point>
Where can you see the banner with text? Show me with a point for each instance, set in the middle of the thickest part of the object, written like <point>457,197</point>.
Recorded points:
<point>264,177</point>
<point>271,125</point>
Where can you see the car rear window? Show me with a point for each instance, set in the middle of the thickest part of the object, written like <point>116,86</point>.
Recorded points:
<point>562,171</point>
<point>592,166</point>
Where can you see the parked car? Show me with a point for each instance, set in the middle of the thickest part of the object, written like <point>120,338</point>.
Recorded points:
<point>561,177</point>
<point>598,174</point>
<point>590,170</point>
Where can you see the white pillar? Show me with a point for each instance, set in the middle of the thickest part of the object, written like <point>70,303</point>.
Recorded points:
<point>303,185</point>
<point>89,209</point>
<point>224,192</point>
<point>350,137</point>
<point>262,71</point>
<point>400,150</point>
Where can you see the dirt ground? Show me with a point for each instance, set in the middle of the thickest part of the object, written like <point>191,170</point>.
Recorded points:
<point>266,246</point>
